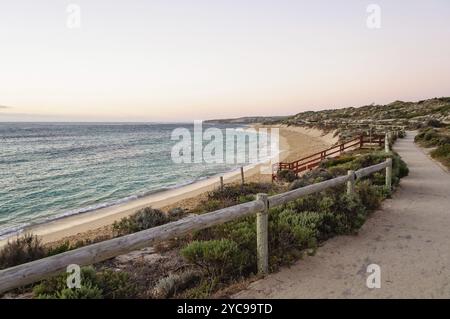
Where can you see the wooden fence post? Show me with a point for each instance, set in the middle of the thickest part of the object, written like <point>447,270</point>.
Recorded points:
<point>389,174</point>
<point>262,236</point>
<point>386,143</point>
<point>242,176</point>
<point>351,183</point>
<point>221,183</point>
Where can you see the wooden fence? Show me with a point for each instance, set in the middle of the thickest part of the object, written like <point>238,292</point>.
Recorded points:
<point>311,161</point>
<point>37,270</point>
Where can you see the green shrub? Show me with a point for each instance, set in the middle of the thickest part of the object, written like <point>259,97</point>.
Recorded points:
<point>114,284</point>
<point>290,229</point>
<point>233,192</point>
<point>176,213</point>
<point>434,123</point>
<point>66,246</point>
<point>378,178</point>
<point>369,195</point>
<point>430,137</point>
<point>202,290</point>
<point>211,205</point>
<point>94,285</point>
<point>403,169</point>
<point>287,175</point>
<point>352,211</point>
<point>21,250</point>
<point>343,214</point>
<point>246,198</point>
<point>314,176</point>
<point>242,232</point>
<point>61,248</point>
<point>232,195</point>
<point>399,169</point>
<point>218,258</point>
<point>144,219</point>
<point>168,286</point>
<point>84,292</point>
<point>442,153</point>
<point>336,161</point>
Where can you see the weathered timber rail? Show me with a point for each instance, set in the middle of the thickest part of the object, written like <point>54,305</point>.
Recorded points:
<point>311,161</point>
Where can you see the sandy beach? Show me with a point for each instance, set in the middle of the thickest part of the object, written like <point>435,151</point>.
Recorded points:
<point>295,142</point>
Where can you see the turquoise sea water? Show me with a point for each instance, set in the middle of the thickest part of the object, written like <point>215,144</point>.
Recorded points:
<point>48,171</point>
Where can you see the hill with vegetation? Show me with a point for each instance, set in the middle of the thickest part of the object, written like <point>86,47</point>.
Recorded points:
<point>355,120</point>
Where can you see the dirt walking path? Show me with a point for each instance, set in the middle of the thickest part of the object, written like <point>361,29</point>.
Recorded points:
<point>409,238</point>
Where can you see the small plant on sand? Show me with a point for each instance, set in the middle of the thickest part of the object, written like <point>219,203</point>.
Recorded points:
<point>21,250</point>
<point>144,219</point>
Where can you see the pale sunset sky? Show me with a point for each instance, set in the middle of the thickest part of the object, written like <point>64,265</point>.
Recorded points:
<point>180,60</point>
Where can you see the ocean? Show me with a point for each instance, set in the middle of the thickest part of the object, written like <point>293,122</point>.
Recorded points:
<point>52,170</point>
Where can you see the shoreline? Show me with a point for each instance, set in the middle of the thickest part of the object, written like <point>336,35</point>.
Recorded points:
<point>294,143</point>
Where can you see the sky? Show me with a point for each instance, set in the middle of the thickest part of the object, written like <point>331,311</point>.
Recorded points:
<point>180,60</point>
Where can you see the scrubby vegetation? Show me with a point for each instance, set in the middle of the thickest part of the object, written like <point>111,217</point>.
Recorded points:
<point>218,258</point>
<point>351,121</point>
<point>228,252</point>
<point>438,136</point>
<point>287,175</point>
<point>233,194</point>
<point>144,219</point>
<point>168,286</point>
<point>215,257</point>
<point>21,250</point>
<point>94,285</point>
<point>410,114</point>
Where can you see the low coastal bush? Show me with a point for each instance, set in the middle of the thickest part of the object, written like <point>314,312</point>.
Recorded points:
<point>232,192</point>
<point>439,138</point>
<point>442,153</point>
<point>370,195</point>
<point>231,195</point>
<point>312,177</point>
<point>61,247</point>
<point>107,284</point>
<point>144,219</point>
<point>218,258</point>
<point>21,250</point>
<point>289,229</point>
<point>434,123</point>
<point>168,286</point>
<point>28,247</point>
<point>287,175</point>
<point>430,137</point>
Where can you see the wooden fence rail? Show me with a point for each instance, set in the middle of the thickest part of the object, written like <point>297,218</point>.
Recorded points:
<point>31,272</point>
<point>313,160</point>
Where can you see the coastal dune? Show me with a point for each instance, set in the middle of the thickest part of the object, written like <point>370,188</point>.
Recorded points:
<point>295,142</point>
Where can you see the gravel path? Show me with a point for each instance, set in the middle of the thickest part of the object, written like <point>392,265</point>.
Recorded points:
<point>409,238</point>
